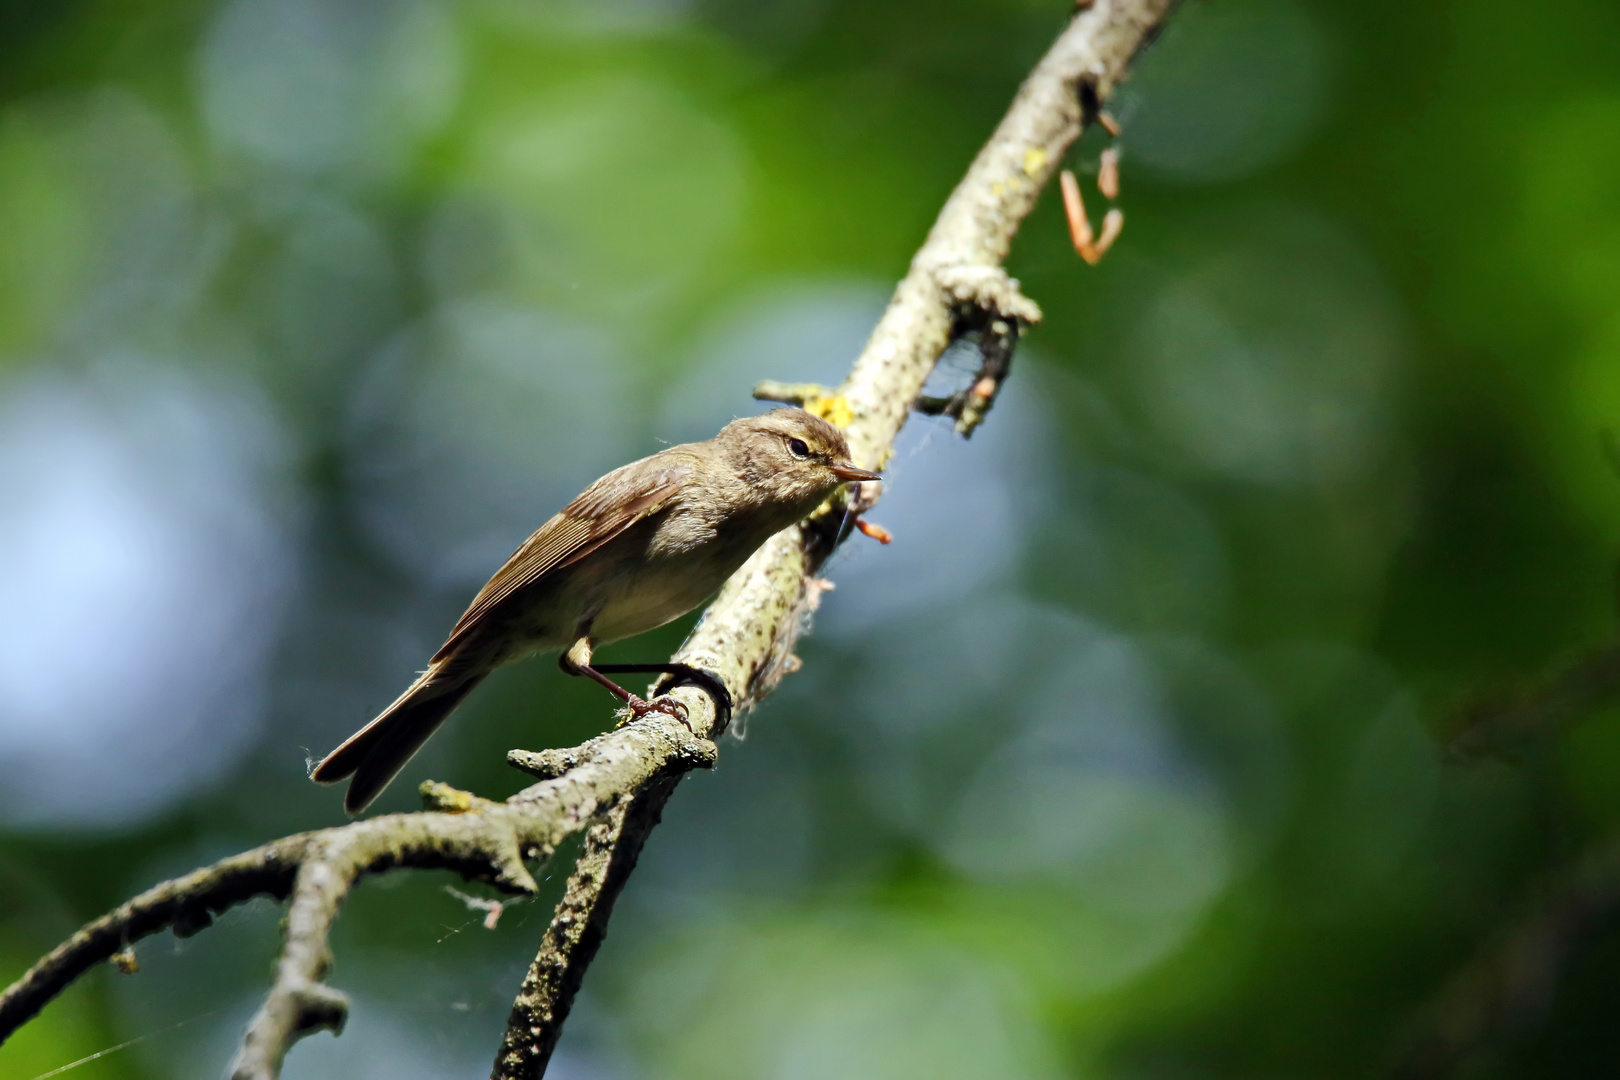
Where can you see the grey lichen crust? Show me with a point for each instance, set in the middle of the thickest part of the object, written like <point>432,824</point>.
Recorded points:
<point>615,786</point>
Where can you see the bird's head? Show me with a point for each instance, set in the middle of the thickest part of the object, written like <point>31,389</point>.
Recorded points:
<point>790,456</point>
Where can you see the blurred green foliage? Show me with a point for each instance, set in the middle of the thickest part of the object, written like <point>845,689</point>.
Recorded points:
<point>1124,761</point>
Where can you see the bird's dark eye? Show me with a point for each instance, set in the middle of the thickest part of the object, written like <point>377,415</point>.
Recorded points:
<point>798,449</point>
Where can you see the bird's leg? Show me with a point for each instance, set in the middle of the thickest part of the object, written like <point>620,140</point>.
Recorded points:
<point>684,674</point>
<point>577,661</point>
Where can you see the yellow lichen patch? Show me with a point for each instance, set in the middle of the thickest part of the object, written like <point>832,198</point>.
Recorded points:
<point>444,798</point>
<point>833,503</point>
<point>1034,161</point>
<point>834,408</point>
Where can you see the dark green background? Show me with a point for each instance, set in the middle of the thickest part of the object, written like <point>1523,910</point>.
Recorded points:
<point>1124,760</point>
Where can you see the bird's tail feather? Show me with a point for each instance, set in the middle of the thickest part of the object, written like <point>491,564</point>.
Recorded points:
<point>376,753</point>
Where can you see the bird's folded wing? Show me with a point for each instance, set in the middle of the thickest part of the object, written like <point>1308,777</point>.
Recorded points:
<point>603,511</point>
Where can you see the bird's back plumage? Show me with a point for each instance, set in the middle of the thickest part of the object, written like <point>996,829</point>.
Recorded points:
<point>601,512</point>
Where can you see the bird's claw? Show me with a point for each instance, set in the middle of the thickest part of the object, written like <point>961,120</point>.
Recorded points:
<point>640,707</point>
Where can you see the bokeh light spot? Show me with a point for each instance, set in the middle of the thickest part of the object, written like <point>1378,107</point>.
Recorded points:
<point>1235,87</point>
<point>145,557</point>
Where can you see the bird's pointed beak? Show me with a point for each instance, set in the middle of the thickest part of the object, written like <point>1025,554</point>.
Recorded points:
<point>847,472</point>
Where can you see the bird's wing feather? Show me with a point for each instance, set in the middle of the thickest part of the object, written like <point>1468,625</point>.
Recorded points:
<point>603,511</point>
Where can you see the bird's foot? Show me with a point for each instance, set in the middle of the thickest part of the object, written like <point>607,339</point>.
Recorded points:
<point>639,707</point>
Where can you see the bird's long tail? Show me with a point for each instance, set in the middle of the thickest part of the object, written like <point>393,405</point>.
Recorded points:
<point>376,753</point>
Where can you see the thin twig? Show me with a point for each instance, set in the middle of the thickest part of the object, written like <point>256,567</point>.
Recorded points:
<point>488,841</point>
<point>188,904</point>
<point>1501,724</point>
<point>1108,173</point>
<point>1088,246</point>
<point>1510,985</point>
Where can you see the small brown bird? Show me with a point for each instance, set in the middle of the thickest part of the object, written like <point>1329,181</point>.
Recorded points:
<point>643,545</point>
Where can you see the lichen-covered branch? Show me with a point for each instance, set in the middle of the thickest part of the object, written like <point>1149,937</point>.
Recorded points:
<point>610,851</point>
<point>616,785</point>
<point>480,839</point>
<point>956,285</point>
<point>187,904</point>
